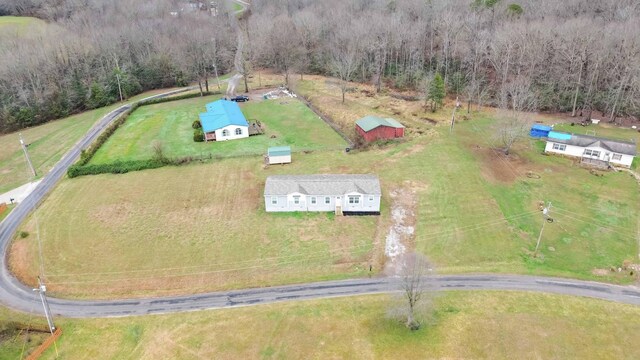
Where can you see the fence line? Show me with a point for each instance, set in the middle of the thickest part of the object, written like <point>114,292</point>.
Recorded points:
<point>45,345</point>
<point>327,119</point>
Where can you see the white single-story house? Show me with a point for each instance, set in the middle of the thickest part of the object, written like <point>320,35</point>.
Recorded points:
<point>224,121</point>
<point>592,150</point>
<point>279,155</point>
<point>340,193</point>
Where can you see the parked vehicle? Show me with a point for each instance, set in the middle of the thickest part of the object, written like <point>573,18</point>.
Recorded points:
<point>240,98</point>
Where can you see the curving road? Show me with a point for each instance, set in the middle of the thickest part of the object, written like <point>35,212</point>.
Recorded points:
<point>12,292</point>
<point>26,301</point>
<point>20,297</point>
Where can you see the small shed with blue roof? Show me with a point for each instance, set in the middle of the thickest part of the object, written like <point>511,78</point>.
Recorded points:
<point>224,121</point>
<point>540,131</point>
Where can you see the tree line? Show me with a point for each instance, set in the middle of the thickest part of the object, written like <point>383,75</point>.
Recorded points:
<point>93,52</point>
<point>577,56</point>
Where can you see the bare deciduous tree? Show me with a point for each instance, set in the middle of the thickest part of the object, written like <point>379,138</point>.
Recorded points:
<point>417,292</point>
<point>345,58</point>
<point>514,118</point>
<point>581,56</point>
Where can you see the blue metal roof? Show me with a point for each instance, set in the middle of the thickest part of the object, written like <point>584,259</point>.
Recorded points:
<point>222,113</point>
<point>541,127</point>
<point>559,135</point>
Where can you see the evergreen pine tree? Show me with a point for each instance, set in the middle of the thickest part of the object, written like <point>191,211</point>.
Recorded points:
<point>436,92</point>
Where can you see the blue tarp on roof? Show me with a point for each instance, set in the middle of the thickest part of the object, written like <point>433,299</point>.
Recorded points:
<point>559,135</point>
<point>542,127</point>
<point>222,113</point>
<point>539,131</point>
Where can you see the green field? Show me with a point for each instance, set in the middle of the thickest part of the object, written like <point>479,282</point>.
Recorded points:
<point>20,333</point>
<point>287,122</point>
<point>48,143</point>
<point>601,130</point>
<point>3,214</point>
<point>465,325</point>
<point>475,212</point>
<point>11,26</point>
<point>187,229</point>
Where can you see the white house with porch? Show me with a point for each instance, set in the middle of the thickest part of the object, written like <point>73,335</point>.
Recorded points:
<point>592,150</point>
<point>224,121</point>
<point>339,193</point>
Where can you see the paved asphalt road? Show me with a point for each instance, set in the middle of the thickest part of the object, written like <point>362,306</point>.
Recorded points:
<point>247,297</point>
<point>20,297</point>
<point>12,292</point>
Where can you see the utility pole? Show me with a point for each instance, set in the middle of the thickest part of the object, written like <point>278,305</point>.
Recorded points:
<point>26,155</point>
<point>47,311</point>
<point>119,87</point>
<point>453,115</point>
<point>215,68</point>
<point>545,214</point>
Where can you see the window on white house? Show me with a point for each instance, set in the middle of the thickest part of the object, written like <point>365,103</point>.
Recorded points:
<point>225,132</point>
<point>313,200</point>
<point>559,147</point>
<point>354,199</point>
<point>296,200</point>
<point>593,153</point>
<point>327,200</point>
<point>274,200</point>
<point>617,157</point>
<point>238,131</point>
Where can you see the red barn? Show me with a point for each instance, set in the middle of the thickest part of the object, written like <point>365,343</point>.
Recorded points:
<point>374,128</point>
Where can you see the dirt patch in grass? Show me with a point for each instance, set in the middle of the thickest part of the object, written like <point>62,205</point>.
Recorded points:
<point>496,167</point>
<point>601,272</point>
<point>400,238</point>
<point>20,261</point>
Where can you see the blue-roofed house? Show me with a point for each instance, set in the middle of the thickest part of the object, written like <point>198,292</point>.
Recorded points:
<point>224,121</point>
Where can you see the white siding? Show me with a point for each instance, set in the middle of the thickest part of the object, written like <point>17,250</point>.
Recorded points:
<point>285,159</point>
<point>232,133</point>
<point>577,151</point>
<point>626,160</point>
<point>280,203</point>
<point>368,203</point>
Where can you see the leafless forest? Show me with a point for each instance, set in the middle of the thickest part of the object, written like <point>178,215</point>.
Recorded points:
<point>576,56</point>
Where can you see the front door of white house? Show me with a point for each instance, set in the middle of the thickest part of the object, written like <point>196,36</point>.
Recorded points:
<point>297,203</point>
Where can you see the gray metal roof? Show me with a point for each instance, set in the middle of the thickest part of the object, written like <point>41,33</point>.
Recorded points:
<point>324,184</point>
<point>616,146</point>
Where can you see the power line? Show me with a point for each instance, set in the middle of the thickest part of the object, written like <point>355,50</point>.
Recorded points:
<point>26,155</point>
<point>545,213</point>
<point>306,259</point>
<point>340,250</point>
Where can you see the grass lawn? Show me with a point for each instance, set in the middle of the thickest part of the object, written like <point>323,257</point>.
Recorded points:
<point>202,227</point>
<point>602,130</point>
<point>49,142</point>
<point>287,122</point>
<point>9,21</point>
<point>188,229</point>
<point>6,211</point>
<point>235,6</point>
<point>465,325</point>
<point>21,26</point>
<point>20,334</point>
